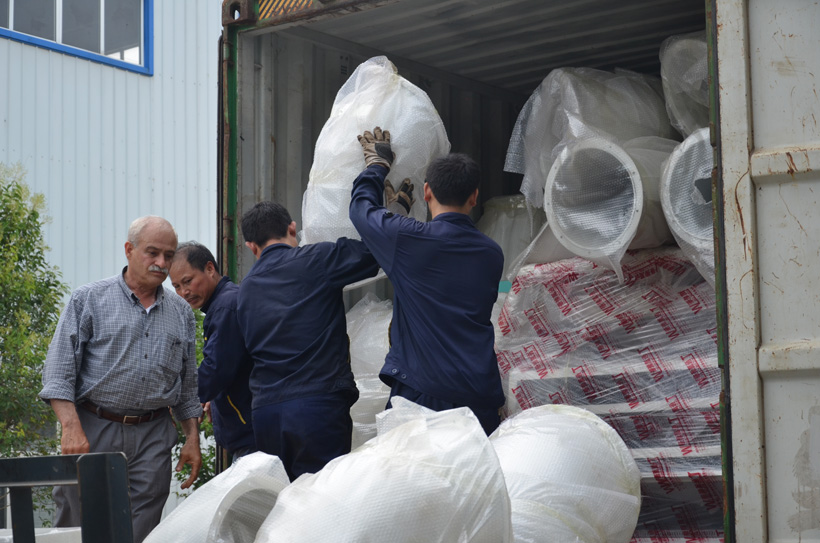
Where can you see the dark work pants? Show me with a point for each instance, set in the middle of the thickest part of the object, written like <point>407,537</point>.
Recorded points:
<point>147,447</point>
<point>487,416</point>
<point>305,433</point>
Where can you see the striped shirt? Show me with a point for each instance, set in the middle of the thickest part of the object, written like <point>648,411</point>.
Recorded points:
<point>112,351</point>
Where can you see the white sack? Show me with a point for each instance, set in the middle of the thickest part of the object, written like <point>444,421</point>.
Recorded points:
<point>434,478</point>
<point>374,95</point>
<point>685,77</point>
<point>570,477</point>
<point>230,507</point>
<point>509,222</point>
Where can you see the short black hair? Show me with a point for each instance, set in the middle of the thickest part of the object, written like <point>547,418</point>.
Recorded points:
<point>453,178</point>
<point>265,221</point>
<point>196,254</point>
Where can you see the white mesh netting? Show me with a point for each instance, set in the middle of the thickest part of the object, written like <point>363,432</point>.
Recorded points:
<point>433,477</point>
<point>685,77</point>
<point>367,325</point>
<point>374,95</point>
<point>509,222</point>
<point>230,507</point>
<point>570,477</point>
<point>686,196</point>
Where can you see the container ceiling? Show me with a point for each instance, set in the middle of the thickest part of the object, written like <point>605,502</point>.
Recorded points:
<point>513,44</point>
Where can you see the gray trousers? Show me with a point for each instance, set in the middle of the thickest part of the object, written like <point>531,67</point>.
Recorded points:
<point>147,447</point>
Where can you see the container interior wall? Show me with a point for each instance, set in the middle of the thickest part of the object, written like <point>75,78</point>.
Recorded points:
<point>287,86</point>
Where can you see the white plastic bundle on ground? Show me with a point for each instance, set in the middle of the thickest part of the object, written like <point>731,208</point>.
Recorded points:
<point>434,477</point>
<point>367,327</point>
<point>685,77</point>
<point>570,477</point>
<point>572,104</point>
<point>508,221</point>
<point>374,95</point>
<point>602,198</point>
<point>686,196</point>
<point>229,508</point>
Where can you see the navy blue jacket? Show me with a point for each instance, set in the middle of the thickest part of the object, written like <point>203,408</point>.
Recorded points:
<point>225,369</point>
<point>292,317</point>
<point>445,276</point>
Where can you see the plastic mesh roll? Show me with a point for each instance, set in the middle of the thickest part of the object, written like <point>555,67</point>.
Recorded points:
<point>570,477</point>
<point>577,103</point>
<point>367,327</point>
<point>374,95</point>
<point>509,222</point>
<point>686,196</point>
<point>230,507</point>
<point>434,478</point>
<point>685,77</point>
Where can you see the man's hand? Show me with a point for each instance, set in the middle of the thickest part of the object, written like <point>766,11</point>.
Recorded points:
<point>376,147</point>
<point>190,453</point>
<point>206,411</point>
<point>398,202</point>
<point>73,439</point>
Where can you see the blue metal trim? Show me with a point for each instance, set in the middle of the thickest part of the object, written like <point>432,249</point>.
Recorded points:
<point>148,45</point>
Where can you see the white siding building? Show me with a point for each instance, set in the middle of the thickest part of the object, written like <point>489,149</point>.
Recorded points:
<point>111,108</point>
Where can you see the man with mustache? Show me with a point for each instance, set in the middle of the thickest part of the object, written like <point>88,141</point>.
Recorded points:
<point>124,353</point>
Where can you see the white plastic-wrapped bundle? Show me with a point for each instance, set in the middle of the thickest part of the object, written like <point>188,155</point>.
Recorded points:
<point>572,104</point>
<point>508,221</point>
<point>367,327</point>
<point>685,77</point>
<point>686,196</point>
<point>229,508</point>
<point>602,198</point>
<point>374,95</point>
<point>570,477</point>
<point>434,478</point>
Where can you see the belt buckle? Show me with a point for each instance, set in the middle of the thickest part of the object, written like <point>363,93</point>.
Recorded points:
<point>126,417</point>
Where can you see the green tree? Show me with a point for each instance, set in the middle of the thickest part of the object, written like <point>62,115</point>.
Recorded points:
<point>31,295</point>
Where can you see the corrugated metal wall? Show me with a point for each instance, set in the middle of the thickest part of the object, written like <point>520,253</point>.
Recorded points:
<point>106,145</point>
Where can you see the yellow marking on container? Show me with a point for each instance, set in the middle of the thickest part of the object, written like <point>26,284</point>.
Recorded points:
<point>275,8</point>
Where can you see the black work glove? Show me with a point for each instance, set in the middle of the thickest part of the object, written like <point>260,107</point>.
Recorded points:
<point>398,202</point>
<point>376,147</point>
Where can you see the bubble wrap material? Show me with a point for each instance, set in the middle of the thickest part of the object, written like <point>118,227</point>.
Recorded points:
<point>602,198</point>
<point>642,355</point>
<point>508,221</point>
<point>230,507</point>
<point>577,103</point>
<point>685,77</point>
<point>367,326</point>
<point>374,95</point>
<point>434,478</point>
<point>686,197</point>
<point>570,477</point>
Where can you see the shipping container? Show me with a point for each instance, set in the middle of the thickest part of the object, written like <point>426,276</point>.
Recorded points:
<point>479,61</point>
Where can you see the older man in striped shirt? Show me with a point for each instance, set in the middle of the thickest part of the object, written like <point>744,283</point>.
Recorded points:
<point>122,354</point>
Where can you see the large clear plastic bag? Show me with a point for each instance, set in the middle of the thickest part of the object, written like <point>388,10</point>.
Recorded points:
<point>570,477</point>
<point>374,95</point>
<point>686,197</point>
<point>432,477</point>
<point>229,508</point>
<point>685,77</point>
<point>512,224</point>
<point>367,327</point>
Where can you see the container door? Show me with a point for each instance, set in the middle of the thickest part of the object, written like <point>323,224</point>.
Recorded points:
<point>769,253</point>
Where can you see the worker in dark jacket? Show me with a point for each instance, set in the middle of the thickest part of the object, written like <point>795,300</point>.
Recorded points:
<point>226,365</point>
<point>445,275</point>
<point>292,316</point>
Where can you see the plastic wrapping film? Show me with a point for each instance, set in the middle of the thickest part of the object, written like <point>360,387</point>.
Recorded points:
<point>374,95</point>
<point>46,535</point>
<point>686,197</point>
<point>685,77</point>
<point>642,355</point>
<point>229,508</point>
<point>508,221</point>
<point>428,476</point>
<point>577,103</point>
<point>569,475</point>
<point>367,327</point>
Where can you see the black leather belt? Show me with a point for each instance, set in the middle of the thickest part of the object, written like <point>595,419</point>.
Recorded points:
<point>129,420</point>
